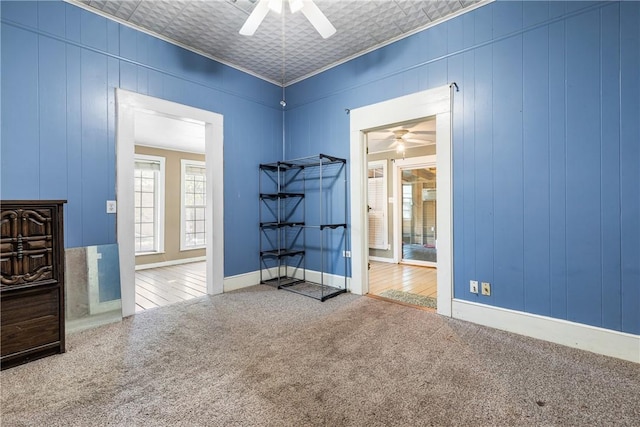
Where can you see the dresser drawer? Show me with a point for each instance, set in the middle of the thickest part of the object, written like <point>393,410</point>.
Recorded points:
<point>30,319</point>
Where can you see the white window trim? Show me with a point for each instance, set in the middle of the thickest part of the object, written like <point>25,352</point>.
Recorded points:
<point>385,209</point>
<point>183,167</point>
<point>159,201</point>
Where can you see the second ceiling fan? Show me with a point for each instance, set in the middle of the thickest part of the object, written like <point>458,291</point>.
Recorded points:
<point>307,7</point>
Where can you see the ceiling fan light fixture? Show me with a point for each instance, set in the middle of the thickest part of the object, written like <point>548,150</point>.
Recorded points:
<point>400,146</point>
<point>308,8</point>
<point>275,5</point>
<point>295,5</point>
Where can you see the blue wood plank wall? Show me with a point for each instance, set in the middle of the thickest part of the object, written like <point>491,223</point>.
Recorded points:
<point>546,148</point>
<point>546,136</point>
<point>60,67</point>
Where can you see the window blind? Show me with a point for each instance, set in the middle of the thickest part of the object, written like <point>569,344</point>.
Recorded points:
<point>195,170</point>
<point>377,217</point>
<point>147,165</point>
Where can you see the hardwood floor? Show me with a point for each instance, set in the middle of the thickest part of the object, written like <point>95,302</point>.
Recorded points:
<point>157,287</point>
<point>408,278</point>
<point>162,286</point>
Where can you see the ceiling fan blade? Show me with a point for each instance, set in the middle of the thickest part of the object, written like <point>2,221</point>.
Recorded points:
<point>295,5</point>
<point>380,135</point>
<point>255,19</point>
<point>421,132</point>
<point>382,139</point>
<point>419,141</point>
<point>317,19</point>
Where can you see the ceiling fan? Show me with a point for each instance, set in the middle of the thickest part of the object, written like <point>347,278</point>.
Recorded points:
<point>401,139</point>
<point>398,141</point>
<point>307,7</point>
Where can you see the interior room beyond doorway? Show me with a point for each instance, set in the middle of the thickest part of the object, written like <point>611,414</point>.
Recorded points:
<point>170,190</point>
<point>409,284</point>
<point>160,286</point>
<point>401,206</point>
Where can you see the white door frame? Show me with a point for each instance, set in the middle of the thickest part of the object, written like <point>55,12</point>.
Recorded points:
<point>434,102</point>
<point>398,166</point>
<point>127,103</point>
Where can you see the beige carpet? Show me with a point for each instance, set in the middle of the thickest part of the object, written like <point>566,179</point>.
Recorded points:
<point>273,358</point>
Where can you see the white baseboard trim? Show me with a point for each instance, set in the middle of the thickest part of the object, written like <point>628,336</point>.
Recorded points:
<point>170,263</point>
<point>239,281</point>
<point>381,259</point>
<point>233,283</point>
<point>590,338</point>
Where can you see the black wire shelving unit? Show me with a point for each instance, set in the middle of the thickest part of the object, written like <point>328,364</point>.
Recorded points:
<point>290,233</point>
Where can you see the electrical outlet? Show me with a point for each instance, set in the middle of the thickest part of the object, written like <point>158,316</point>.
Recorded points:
<point>346,254</point>
<point>473,286</point>
<point>486,288</point>
<point>111,206</point>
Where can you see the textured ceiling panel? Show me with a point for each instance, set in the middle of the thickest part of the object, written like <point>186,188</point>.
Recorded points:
<point>211,27</point>
<point>158,15</point>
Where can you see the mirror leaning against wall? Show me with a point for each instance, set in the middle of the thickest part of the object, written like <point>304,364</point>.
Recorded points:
<point>92,285</point>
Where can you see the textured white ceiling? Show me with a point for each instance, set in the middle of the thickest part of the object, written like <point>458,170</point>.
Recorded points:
<point>170,133</point>
<point>211,27</point>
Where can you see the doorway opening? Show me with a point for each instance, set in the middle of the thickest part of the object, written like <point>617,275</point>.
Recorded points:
<point>433,103</point>
<point>170,189</point>
<point>143,163</point>
<point>402,220</point>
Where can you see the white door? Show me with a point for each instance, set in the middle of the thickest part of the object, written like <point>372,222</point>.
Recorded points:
<point>416,227</point>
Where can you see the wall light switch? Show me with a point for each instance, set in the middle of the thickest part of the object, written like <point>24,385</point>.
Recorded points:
<point>111,206</point>
<point>473,286</point>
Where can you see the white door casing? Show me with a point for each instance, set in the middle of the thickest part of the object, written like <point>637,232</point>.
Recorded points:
<point>127,103</point>
<point>433,102</point>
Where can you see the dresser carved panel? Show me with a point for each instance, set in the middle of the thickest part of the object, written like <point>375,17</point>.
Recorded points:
<point>32,281</point>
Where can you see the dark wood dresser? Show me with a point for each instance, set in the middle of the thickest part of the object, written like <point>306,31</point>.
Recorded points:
<point>32,284</point>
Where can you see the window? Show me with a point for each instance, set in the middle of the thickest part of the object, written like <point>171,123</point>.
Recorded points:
<point>377,187</point>
<point>194,203</point>
<point>149,203</point>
